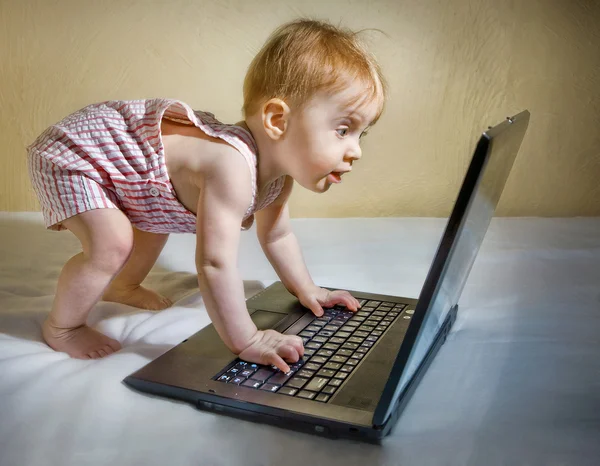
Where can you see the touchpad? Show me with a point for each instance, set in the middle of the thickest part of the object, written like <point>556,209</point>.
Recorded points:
<point>265,320</point>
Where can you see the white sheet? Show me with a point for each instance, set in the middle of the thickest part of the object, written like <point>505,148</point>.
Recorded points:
<point>517,382</point>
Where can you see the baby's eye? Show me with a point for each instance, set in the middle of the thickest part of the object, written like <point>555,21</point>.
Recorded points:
<point>342,131</point>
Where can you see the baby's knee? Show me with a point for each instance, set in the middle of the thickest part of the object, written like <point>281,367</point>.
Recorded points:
<point>112,255</point>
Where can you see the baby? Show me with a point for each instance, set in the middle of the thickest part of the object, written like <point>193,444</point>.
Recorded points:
<point>122,175</point>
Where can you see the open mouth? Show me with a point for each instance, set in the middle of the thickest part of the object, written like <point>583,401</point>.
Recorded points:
<point>335,177</point>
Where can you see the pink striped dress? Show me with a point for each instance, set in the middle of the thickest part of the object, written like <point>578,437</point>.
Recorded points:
<point>110,155</point>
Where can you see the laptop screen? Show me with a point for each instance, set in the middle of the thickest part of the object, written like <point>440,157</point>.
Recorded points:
<point>468,223</point>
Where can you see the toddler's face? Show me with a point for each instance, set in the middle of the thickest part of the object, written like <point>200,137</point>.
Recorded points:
<point>324,136</point>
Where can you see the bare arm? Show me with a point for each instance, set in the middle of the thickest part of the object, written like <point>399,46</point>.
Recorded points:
<point>226,192</point>
<point>281,247</point>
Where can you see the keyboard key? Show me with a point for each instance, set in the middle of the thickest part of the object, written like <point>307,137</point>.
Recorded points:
<point>344,352</point>
<point>318,360</point>
<point>341,375</point>
<point>297,382</point>
<point>352,362</point>
<point>298,364</point>
<point>287,391</point>
<point>325,353</point>
<point>313,344</point>
<point>308,352</point>
<point>225,378</point>
<point>306,394</point>
<point>326,373</point>
<point>305,373</point>
<point>349,345</point>
<point>237,380</point>
<point>252,383</point>
<point>270,387</point>
<point>358,356</point>
<point>347,367</point>
<point>360,334</point>
<point>263,374</point>
<point>320,339</point>
<point>280,379</point>
<point>313,328</point>
<point>371,338</point>
<point>336,382</point>
<point>331,346</point>
<point>362,349</point>
<point>312,366</point>
<point>322,397</point>
<point>333,365</point>
<point>316,384</point>
<point>337,340</point>
<point>306,333</point>
<point>352,324</point>
<point>329,389</point>
<point>340,359</point>
<point>325,333</point>
<point>246,373</point>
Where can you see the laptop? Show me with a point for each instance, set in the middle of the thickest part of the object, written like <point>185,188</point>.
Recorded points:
<point>359,369</point>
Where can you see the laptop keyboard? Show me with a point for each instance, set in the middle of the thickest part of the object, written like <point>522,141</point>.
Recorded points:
<point>334,344</point>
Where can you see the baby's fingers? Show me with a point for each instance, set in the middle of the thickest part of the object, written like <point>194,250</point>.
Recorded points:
<point>275,360</point>
<point>289,353</point>
<point>345,298</point>
<point>296,342</point>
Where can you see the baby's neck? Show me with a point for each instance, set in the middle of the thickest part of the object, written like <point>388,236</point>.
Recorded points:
<point>268,168</point>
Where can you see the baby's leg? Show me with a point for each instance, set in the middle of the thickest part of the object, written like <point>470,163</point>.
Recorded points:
<point>126,288</point>
<point>107,240</point>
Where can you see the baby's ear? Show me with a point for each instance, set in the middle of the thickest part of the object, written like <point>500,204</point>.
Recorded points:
<point>275,115</point>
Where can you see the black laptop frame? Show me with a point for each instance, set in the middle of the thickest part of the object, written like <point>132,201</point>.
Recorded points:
<point>439,264</point>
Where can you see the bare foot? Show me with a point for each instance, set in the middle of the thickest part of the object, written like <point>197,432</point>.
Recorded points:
<point>137,297</point>
<point>79,342</point>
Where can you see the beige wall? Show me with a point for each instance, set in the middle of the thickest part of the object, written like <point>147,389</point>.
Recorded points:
<point>454,67</point>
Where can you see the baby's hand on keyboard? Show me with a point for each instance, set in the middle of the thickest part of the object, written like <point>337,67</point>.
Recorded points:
<point>271,347</point>
<point>318,298</point>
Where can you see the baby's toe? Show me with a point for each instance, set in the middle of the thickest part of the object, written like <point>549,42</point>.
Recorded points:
<point>114,345</point>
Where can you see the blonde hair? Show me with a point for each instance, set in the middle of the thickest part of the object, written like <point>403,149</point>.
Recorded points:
<point>306,56</point>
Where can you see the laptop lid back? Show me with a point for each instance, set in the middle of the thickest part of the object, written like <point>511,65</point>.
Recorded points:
<point>474,208</point>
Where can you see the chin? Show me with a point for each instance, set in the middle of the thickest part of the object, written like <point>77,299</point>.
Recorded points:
<point>320,186</point>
